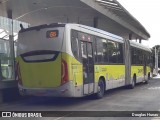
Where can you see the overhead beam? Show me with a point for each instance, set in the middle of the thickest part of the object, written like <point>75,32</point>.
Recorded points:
<point>93,4</point>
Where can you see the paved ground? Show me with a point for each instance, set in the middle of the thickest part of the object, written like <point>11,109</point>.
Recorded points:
<point>145,97</point>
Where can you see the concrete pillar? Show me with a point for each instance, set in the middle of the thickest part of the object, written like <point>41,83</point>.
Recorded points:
<point>11,42</point>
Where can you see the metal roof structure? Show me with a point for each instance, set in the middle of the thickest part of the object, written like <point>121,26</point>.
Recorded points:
<point>118,10</point>
<point>5,35</point>
<point>115,11</point>
<point>108,15</point>
<point>6,28</point>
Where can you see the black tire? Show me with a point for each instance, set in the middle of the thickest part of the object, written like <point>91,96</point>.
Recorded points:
<point>133,83</point>
<point>101,89</point>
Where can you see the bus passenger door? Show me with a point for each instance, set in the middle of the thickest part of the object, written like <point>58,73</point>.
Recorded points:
<point>88,67</point>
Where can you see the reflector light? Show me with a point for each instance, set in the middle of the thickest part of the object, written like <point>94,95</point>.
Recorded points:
<point>64,70</point>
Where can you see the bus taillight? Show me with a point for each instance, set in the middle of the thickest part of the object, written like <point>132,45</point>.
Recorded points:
<point>64,72</point>
<point>18,74</point>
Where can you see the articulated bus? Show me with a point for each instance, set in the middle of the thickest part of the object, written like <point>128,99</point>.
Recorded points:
<point>73,60</point>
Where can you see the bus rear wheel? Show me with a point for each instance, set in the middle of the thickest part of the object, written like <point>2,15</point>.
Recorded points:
<point>101,89</point>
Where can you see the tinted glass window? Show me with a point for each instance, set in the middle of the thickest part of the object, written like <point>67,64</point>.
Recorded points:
<point>133,55</point>
<point>90,54</point>
<point>138,56</point>
<point>148,55</point>
<point>99,47</point>
<point>84,51</point>
<point>105,51</point>
<point>141,57</point>
<point>112,52</point>
<point>120,52</point>
<point>75,44</point>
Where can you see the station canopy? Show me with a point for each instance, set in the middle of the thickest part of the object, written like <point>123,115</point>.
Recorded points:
<point>108,15</point>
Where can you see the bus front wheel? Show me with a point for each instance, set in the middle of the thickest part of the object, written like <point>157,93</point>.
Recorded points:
<point>101,89</point>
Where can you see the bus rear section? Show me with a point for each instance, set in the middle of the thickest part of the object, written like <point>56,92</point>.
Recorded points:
<point>41,69</point>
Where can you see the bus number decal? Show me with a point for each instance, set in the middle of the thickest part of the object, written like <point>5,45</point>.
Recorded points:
<point>52,34</point>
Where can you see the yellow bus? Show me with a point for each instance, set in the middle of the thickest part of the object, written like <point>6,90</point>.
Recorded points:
<point>73,60</point>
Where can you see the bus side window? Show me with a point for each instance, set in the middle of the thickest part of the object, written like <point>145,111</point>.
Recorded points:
<point>90,53</point>
<point>139,57</point>
<point>99,50</point>
<point>134,55</point>
<point>148,58</point>
<point>105,51</point>
<point>120,52</point>
<point>75,44</point>
<point>112,49</point>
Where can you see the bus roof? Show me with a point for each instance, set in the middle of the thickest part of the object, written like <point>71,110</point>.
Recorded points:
<point>134,44</point>
<point>42,26</point>
<point>140,46</point>
<point>72,25</point>
<point>95,30</point>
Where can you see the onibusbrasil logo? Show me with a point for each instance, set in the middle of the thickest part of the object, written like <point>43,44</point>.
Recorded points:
<point>21,114</point>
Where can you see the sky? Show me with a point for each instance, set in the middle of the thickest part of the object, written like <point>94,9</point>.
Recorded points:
<point>147,12</point>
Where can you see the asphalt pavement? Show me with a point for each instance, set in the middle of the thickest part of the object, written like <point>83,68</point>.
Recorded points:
<point>144,97</point>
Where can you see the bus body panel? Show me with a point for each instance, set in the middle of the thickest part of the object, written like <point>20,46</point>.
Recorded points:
<point>66,90</point>
<point>39,58</point>
<point>44,78</point>
<point>73,88</point>
<point>138,71</point>
<point>41,75</point>
<point>114,75</point>
<point>74,69</point>
<point>110,72</point>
